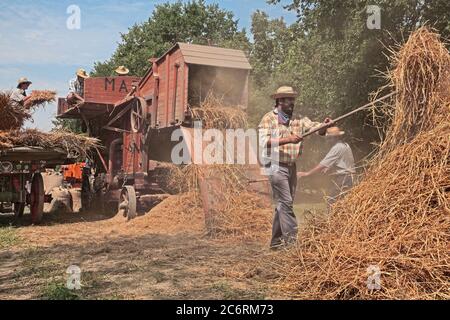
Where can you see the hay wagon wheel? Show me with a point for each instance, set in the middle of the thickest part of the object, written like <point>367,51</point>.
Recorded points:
<point>128,203</point>
<point>138,115</point>
<point>37,198</point>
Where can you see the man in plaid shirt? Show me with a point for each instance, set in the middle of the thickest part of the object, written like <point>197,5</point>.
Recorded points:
<point>280,138</point>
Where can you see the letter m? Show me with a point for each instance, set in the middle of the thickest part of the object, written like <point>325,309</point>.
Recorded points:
<point>111,82</point>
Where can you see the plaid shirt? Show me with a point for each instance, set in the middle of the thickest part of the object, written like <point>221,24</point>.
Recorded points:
<point>271,128</point>
<point>76,86</point>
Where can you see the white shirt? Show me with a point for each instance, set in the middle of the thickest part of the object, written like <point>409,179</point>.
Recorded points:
<point>18,95</point>
<point>339,159</point>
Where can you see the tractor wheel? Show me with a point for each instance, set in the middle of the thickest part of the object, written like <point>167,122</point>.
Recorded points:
<point>19,208</point>
<point>37,198</point>
<point>128,203</point>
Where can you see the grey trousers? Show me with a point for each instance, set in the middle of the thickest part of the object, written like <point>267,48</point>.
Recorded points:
<point>283,180</point>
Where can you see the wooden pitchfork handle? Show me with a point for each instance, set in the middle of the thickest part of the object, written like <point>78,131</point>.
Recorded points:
<point>347,115</point>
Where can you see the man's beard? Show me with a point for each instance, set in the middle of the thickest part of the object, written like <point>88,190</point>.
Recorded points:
<point>289,111</point>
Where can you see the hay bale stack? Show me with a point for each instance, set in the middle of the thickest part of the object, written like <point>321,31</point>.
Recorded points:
<point>398,218</point>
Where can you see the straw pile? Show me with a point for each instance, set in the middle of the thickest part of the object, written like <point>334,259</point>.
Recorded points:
<point>213,114</point>
<point>235,213</point>
<point>75,145</point>
<point>178,213</point>
<point>398,218</point>
<point>12,115</point>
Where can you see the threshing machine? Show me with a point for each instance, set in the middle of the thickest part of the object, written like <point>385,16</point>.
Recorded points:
<point>135,117</point>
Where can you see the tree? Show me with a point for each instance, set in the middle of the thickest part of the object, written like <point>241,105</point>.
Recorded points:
<point>72,125</point>
<point>271,41</point>
<point>192,22</point>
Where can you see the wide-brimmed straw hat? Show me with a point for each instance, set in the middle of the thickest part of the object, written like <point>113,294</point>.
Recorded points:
<point>334,132</point>
<point>82,73</point>
<point>23,80</point>
<point>122,70</point>
<point>284,92</point>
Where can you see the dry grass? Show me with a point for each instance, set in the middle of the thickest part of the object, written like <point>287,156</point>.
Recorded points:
<point>75,145</point>
<point>398,218</point>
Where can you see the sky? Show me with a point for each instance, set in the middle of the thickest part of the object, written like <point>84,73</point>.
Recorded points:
<point>36,43</point>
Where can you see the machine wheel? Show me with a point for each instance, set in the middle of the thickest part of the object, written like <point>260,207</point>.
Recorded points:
<point>138,115</point>
<point>19,208</point>
<point>37,198</point>
<point>127,203</point>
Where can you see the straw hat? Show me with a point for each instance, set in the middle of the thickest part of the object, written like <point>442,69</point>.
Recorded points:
<point>23,80</point>
<point>122,70</point>
<point>334,132</point>
<point>284,92</point>
<point>82,73</point>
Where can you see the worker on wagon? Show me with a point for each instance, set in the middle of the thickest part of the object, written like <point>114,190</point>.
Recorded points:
<point>122,71</point>
<point>339,164</point>
<point>281,142</point>
<point>19,95</point>
<point>76,87</point>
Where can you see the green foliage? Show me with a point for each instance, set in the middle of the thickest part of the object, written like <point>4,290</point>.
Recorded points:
<point>192,22</point>
<point>72,125</point>
<point>58,291</point>
<point>271,42</point>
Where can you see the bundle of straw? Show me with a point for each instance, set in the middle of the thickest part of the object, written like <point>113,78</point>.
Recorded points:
<point>397,220</point>
<point>39,98</point>
<point>13,115</point>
